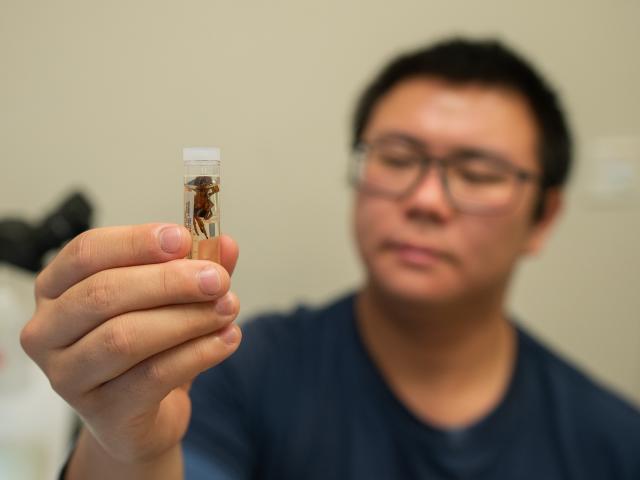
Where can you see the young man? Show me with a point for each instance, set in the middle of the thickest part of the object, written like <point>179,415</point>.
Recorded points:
<point>460,154</point>
<point>461,151</point>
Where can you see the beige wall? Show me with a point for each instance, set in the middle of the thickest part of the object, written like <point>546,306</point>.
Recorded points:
<point>103,96</point>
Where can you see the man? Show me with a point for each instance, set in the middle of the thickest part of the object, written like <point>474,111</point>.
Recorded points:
<point>460,155</point>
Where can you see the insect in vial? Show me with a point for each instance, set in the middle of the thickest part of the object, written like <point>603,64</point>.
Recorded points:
<point>203,206</point>
<point>201,203</point>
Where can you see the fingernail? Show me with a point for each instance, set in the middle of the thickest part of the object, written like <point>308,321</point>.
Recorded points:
<point>229,335</point>
<point>170,239</point>
<point>225,306</point>
<point>210,281</point>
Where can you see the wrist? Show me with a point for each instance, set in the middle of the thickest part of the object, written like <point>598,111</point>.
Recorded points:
<point>90,460</point>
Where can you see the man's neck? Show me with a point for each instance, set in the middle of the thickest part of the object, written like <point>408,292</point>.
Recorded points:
<point>449,364</point>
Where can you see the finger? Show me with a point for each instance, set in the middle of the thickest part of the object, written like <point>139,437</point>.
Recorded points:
<point>109,293</point>
<point>122,342</point>
<point>105,248</point>
<point>144,386</point>
<point>228,253</point>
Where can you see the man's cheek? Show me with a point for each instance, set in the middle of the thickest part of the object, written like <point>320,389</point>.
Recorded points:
<point>366,228</point>
<point>498,245</point>
<point>484,245</point>
<point>370,218</point>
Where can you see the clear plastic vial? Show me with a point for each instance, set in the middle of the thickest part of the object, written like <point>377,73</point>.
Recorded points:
<point>201,201</point>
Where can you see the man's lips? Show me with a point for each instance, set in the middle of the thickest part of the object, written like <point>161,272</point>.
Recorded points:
<point>417,255</point>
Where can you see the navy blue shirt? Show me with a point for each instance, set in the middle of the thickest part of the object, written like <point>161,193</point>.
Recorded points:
<point>302,400</point>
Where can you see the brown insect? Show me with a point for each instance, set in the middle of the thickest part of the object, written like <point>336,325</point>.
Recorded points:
<point>203,187</point>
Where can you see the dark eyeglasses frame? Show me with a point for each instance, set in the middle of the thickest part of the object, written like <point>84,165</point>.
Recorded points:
<point>426,160</point>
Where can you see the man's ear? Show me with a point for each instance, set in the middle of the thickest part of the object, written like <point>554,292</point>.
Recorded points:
<point>540,228</point>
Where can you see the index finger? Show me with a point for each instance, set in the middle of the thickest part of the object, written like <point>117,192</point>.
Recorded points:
<point>111,247</point>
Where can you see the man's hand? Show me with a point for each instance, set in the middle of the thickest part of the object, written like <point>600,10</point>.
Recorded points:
<point>123,323</point>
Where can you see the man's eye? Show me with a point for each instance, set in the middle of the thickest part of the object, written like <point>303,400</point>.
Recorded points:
<point>395,161</point>
<point>481,177</point>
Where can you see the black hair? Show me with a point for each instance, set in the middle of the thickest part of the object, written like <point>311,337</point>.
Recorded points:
<point>484,62</point>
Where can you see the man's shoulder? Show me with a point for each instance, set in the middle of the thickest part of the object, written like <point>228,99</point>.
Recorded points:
<point>591,415</point>
<point>574,382</point>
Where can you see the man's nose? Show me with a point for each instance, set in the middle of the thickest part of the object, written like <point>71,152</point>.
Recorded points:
<point>429,196</point>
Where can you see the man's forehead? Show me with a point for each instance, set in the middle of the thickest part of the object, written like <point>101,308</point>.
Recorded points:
<point>444,96</point>
<point>432,105</point>
<point>443,113</point>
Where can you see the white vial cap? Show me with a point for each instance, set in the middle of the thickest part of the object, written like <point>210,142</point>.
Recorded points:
<point>201,154</point>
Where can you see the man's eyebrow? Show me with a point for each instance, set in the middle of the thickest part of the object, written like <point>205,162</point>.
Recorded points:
<point>465,151</point>
<point>403,137</point>
<point>468,151</point>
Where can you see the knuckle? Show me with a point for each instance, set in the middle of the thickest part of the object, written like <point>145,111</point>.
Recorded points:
<point>134,242</point>
<point>89,402</point>
<point>99,294</point>
<point>28,338</point>
<point>203,353</point>
<point>34,338</point>
<point>165,284</point>
<point>39,284</point>
<point>58,379</point>
<point>194,317</point>
<point>82,250</point>
<point>119,338</point>
<point>202,318</point>
<point>151,372</point>
<point>178,278</point>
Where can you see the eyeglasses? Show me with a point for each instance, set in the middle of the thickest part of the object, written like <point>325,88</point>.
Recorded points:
<point>474,181</point>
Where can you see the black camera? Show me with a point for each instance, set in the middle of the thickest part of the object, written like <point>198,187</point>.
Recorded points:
<point>25,245</point>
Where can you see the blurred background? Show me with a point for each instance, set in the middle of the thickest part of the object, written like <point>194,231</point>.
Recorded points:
<point>101,97</point>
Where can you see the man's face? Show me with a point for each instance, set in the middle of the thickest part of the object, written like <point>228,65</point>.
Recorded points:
<point>420,248</point>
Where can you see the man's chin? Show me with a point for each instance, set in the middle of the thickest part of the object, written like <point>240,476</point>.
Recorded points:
<point>415,293</point>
